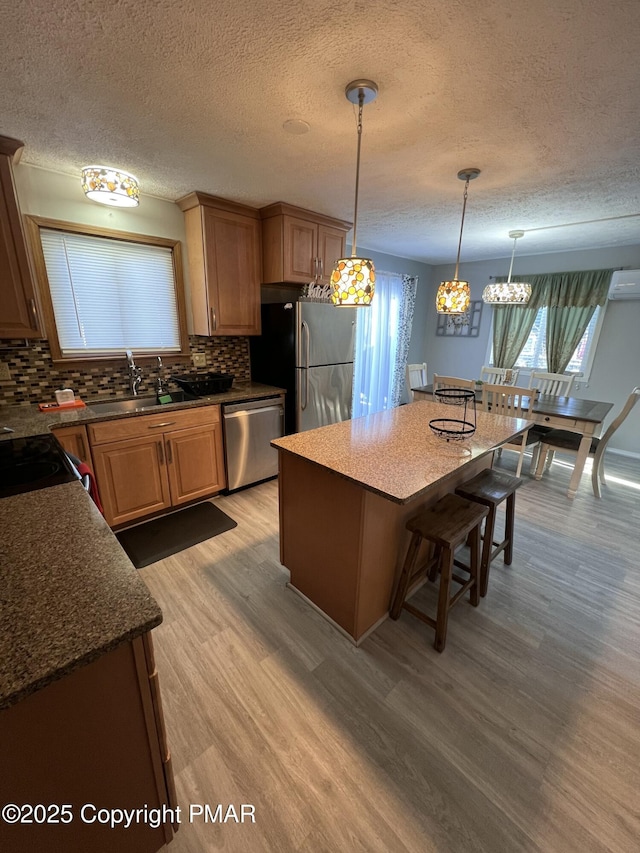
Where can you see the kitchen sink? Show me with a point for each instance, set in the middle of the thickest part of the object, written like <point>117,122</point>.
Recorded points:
<point>132,404</point>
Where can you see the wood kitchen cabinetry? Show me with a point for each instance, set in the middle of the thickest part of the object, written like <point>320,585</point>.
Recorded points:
<point>223,245</point>
<point>75,440</point>
<point>19,313</point>
<point>149,463</point>
<point>300,246</point>
<point>95,736</point>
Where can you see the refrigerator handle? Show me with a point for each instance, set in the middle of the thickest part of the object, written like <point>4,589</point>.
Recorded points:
<point>304,327</point>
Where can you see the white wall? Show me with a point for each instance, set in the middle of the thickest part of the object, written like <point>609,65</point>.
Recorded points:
<point>56,196</point>
<point>616,368</point>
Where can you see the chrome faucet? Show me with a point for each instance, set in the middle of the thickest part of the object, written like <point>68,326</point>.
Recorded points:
<point>160,389</point>
<point>135,374</point>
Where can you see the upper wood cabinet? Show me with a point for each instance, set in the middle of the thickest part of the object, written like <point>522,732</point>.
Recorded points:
<point>223,245</point>
<point>18,309</point>
<point>300,246</point>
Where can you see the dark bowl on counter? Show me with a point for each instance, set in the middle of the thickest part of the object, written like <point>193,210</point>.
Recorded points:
<point>204,384</point>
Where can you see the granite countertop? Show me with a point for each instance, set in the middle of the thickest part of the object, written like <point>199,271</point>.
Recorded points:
<point>395,453</point>
<point>68,591</point>
<point>29,420</point>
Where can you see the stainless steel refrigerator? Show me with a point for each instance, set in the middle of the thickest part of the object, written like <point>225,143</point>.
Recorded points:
<point>307,349</point>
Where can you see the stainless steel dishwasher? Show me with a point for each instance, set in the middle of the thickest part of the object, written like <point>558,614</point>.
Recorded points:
<point>248,430</point>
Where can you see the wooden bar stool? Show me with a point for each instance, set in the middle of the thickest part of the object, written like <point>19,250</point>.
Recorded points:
<point>489,488</point>
<point>447,524</point>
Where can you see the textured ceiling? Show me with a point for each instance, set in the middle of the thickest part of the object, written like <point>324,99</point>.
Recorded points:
<point>543,97</point>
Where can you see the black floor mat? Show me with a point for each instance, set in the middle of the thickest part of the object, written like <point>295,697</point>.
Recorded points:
<point>154,540</point>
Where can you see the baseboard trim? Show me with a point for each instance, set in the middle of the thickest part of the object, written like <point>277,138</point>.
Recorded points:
<point>627,453</point>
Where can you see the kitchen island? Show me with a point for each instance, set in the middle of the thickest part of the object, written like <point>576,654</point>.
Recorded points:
<point>347,491</point>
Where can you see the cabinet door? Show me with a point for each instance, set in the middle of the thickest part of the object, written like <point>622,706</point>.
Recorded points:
<point>330,248</point>
<point>74,440</point>
<point>132,478</point>
<point>300,247</point>
<point>195,462</point>
<point>18,316</point>
<point>233,266</point>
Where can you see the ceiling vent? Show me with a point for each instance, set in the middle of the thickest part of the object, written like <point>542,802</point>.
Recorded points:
<point>625,284</point>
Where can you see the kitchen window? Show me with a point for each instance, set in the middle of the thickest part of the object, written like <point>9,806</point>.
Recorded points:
<point>105,292</point>
<point>533,355</point>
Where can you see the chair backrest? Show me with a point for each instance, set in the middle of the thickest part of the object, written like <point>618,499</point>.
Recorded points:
<point>504,399</point>
<point>416,376</point>
<point>452,382</point>
<point>558,384</point>
<point>633,398</point>
<point>499,375</point>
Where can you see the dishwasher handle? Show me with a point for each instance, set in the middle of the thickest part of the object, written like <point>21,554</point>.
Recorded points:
<point>253,405</point>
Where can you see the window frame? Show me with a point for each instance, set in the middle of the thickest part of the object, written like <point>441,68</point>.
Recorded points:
<point>33,224</point>
<point>583,374</point>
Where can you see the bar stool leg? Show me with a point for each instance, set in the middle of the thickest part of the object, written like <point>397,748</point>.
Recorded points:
<point>405,576</point>
<point>508,528</point>
<point>487,548</point>
<point>474,565</point>
<point>446,563</point>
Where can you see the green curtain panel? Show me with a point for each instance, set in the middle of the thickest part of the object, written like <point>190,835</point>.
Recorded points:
<point>571,299</point>
<point>512,324</point>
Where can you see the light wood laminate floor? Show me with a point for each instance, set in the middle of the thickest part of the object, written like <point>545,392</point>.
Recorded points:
<point>524,735</point>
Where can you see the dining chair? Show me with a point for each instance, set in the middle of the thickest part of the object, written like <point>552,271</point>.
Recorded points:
<point>499,375</point>
<point>507,400</point>
<point>557,384</point>
<point>416,377</point>
<point>569,442</point>
<point>452,382</point>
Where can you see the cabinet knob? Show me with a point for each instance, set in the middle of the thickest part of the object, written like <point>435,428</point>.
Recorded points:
<point>214,323</point>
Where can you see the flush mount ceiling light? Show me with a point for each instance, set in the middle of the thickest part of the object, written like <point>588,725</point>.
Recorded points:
<point>110,186</point>
<point>454,297</point>
<point>353,279</point>
<point>508,292</point>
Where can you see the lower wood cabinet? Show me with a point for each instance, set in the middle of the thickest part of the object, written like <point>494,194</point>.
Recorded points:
<point>93,739</point>
<point>75,440</point>
<point>150,463</point>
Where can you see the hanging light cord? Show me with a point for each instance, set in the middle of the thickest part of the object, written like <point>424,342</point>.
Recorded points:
<point>464,207</point>
<point>512,257</point>
<point>355,210</point>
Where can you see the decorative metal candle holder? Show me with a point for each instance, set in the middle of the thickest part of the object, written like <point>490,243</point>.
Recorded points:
<point>455,429</point>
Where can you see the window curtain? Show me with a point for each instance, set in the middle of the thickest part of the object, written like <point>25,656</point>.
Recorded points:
<point>571,298</point>
<point>383,331</point>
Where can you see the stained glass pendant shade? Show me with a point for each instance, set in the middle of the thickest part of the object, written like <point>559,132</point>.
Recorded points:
<point>454,296</point>
<point>508,292</point>
<point>110,186</point>
<point>353,279</point>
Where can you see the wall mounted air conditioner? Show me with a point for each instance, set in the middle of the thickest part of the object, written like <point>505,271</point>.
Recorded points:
<point>625,284</point>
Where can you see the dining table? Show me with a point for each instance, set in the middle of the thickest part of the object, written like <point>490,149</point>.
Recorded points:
<point>573,414</point>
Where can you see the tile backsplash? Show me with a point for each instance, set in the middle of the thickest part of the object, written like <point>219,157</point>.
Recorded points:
<point>33,378</point>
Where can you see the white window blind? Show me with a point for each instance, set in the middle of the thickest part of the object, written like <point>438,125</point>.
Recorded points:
<point>111,295</point>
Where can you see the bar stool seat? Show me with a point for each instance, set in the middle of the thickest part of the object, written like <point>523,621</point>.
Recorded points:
<point>490,488</point>
<point>450,522</point>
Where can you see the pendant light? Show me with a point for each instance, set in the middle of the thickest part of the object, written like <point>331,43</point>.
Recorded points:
<point>454,297</point>
<point>508,292</point>
<point>353,279</point>
<point>110,186</point>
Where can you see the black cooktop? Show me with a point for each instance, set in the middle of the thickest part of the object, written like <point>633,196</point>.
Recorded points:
<point>34,462</point>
